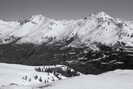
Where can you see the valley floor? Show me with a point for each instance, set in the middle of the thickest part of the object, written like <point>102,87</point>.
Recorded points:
<point>14,76</point>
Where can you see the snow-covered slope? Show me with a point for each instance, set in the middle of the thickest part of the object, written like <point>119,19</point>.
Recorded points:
<point>95,28</point>
<point>118,79</point>
<point>14,76</point>
<point>20,75</point>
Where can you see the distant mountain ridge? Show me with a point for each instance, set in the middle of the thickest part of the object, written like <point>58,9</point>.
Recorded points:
<point>39,29</point>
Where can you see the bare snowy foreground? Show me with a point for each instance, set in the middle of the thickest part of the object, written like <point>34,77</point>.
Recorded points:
<point>14,76</point>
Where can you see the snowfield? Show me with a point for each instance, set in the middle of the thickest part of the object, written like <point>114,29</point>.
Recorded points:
<point>118,79</point>
<point>13,76</point>
<point>26,76</point>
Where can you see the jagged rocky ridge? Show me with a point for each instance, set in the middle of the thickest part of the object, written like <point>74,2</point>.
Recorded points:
<point>94,44</point>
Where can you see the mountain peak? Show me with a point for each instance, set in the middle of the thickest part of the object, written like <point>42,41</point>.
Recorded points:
<point>37,18</point>
<point>103,15</point>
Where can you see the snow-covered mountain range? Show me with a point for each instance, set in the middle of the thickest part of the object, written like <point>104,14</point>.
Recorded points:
<point>39,29</point>
<point>94,44</point>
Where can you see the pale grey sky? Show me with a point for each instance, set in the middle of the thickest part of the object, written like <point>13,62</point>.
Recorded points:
<point>64,9</point>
